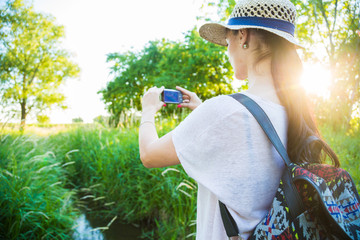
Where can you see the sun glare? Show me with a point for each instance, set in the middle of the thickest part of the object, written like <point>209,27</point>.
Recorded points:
<point>316,79</point>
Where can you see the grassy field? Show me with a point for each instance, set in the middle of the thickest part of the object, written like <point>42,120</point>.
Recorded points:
<point>45,180</point>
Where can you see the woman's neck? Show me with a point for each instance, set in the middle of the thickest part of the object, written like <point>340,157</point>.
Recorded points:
<point>261,82</point>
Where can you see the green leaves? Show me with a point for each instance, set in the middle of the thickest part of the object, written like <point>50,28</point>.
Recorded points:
<point>33,64</point>
<point>194,64</point>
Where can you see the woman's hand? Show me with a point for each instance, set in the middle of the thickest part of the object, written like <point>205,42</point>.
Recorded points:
<point>151,101</point>
<point>190,99</point>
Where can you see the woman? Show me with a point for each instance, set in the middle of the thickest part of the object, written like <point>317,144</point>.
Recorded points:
<point>220,144</point>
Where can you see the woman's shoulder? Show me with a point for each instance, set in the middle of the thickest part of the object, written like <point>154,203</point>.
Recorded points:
<point>263,102</point>
<point>219,106</point>
<point>211,112</point>
<point>219,101</point>
<point>225,103</point>
<point>224,108</point>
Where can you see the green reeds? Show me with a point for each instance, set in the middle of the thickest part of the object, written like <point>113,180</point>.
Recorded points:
<point>33,201</point>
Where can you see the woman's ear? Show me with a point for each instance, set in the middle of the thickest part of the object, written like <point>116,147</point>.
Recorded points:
<point>243,36</point>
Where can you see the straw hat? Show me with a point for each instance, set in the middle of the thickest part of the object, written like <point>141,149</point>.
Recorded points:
<point>276,16</point>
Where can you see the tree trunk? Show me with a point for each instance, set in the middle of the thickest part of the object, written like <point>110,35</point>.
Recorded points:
<point>23,115</point>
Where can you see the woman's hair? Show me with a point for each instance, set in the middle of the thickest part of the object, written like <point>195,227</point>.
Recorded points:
<point>286,69</point>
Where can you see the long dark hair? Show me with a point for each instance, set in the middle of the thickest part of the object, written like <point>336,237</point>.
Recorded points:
<point>286,69</point>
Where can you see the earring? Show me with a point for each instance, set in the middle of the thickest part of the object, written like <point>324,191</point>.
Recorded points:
<point>245,46</point>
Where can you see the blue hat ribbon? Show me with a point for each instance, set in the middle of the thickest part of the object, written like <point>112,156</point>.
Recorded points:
<point>264,22</point>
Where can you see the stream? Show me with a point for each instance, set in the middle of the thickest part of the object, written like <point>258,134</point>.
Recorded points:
<point>87,228</point>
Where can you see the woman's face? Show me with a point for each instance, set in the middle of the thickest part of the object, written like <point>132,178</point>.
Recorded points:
<point>236,53</point>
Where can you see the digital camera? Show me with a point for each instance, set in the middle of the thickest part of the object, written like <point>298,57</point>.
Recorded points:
<point>171,96</point>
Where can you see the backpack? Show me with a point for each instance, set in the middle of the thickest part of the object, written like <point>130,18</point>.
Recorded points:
<point>313,201</point>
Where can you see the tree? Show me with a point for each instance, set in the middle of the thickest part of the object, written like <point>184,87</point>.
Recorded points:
<point>77,120</point>
<point>43,119</point>
<point>222,8</point>
<point>33,64</point>
<point>195,64</point>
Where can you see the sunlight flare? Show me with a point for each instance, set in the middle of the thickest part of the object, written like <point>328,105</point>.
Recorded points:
<point>316,79</point>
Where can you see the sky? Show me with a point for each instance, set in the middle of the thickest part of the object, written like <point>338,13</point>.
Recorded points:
<point>95,28</point>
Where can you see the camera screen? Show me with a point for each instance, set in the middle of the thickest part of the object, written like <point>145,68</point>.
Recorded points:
<point>171,96</point>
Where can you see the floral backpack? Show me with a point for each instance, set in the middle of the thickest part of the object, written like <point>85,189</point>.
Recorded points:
<point>313,201</point>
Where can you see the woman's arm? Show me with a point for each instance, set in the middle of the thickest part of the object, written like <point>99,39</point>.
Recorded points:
<point>154,151</point>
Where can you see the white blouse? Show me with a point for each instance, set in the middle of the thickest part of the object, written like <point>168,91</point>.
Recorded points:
<point>224,149</point>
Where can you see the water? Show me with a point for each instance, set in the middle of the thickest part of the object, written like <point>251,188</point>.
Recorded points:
<point>88,228</point>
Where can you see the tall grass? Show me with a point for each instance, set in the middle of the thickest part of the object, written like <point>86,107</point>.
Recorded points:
<point>108,174</point>
<point>102,165</point>
<point>33,201</point>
